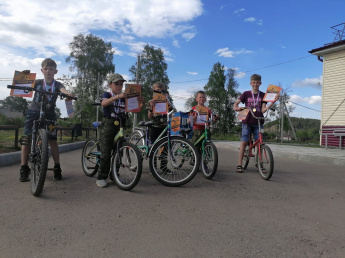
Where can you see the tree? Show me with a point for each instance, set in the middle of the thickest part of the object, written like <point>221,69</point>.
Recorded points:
<point>152,68</point>
<point>15,103</point>
<point>190,102</point>
<point>92,59</point>
<point>221,92</point>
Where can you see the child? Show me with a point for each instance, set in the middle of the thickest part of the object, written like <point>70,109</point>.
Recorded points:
<point>159,121</point>
<point>199,129</point>
<point>112,101</point>
<point>33,113</point>
<point>253,99</point>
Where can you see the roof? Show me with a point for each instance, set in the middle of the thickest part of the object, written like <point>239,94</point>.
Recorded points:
<point>327,48</point>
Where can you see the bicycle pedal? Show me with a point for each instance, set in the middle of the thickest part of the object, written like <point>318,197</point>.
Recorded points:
<point>24,140</point>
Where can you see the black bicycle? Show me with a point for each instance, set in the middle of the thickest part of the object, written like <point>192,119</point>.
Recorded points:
<point>43,129</point>
<point>126,164</point>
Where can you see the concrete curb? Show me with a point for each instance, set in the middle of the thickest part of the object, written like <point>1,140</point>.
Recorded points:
<point>330,156</point>
<point>12,158</point>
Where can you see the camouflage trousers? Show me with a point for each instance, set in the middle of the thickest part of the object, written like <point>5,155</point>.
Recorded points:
<point>196,135</point>
<point>106,142</point>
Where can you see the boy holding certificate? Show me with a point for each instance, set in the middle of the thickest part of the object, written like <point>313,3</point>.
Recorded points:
<point>204,112</point>
<point>254,99</point>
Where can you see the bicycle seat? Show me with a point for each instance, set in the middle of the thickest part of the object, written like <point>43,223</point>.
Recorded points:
<point>185,130</point>
<point>145,123</point>
<point>96,124</point>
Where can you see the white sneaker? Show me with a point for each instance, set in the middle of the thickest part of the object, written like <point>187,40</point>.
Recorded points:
<point>101,183</point>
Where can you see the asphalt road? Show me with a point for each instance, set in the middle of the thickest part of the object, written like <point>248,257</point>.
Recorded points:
<point>298,213</point>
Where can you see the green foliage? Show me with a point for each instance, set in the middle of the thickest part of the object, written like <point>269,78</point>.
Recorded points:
<point>15,103</point>
<point>152,68</point>
<point>92,58</point>
<point>12,121</point>
<point>190,102</point>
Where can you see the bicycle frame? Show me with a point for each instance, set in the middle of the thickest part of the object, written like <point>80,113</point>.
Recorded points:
<point>204,137</point>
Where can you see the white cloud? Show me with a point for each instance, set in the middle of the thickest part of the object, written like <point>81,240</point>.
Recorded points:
<point>47,31</point>
<point>309,82</point>
<point>250,19</point>
<point>193,73</point>
<point>225,52</point>
<point>312,100</point>
<point>239,11</point>
<point>176,43</point>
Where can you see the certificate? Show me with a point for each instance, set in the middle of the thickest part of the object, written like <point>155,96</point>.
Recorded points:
<point>23,80</point>
<point>203,113</point>
<point>161,103</point>
<point>271,93</point>
<point>242,114</point>
<point>133,91</point>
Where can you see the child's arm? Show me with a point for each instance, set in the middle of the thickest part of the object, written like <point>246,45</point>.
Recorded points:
<point>264,108</point>
<point>236,107</point>
<point>110,101</point>
<point>150,111</point>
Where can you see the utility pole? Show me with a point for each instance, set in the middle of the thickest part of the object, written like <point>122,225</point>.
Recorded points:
<point>135,116</point>
<point>281,119</point>
<point>292,128</point>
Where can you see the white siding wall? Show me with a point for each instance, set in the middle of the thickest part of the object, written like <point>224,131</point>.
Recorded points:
<point>333,89</point>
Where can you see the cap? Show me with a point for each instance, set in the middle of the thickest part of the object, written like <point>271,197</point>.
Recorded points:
<point>115,77</point>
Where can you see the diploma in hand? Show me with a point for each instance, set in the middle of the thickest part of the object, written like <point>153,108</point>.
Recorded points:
<point>271,93</point>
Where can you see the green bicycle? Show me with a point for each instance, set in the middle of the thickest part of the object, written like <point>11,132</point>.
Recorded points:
<point>209,153</point>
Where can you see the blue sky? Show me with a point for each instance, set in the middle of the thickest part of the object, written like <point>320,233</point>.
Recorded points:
<point>271,38</point>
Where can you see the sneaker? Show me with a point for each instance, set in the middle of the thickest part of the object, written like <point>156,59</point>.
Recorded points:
<point>24,174</point>
<point>101,183</point>
<point>57,173</point>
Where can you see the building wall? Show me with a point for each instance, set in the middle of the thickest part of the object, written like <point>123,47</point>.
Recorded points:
<point>333,99</point>
<point>333,89</point>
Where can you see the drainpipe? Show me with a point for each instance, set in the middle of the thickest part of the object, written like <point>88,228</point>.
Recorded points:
<point>319,58</point>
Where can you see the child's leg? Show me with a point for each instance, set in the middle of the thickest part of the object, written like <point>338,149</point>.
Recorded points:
<point>54,148</point>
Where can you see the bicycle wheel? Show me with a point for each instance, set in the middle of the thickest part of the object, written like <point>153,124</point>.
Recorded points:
<point>209,162</point>
<point>126,166</point>
<point>246,156</point>
<point>137,138</point>
<point>39,163</point>
<point>265,162</point>
<point>90,156</point>
<point>176,164</point>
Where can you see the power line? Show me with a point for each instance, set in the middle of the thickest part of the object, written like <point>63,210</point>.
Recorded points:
<point>304,106</point>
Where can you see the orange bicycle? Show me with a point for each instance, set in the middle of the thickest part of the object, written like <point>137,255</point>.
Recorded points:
<point>263,156</point>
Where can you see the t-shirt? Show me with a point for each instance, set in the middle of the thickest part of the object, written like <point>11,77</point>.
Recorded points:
<point>201,126</point>
<point>118,106</point>
<point>42,86</point>
<point>256,102</point>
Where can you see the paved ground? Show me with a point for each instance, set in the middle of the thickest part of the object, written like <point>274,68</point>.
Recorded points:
<point>298,213</point>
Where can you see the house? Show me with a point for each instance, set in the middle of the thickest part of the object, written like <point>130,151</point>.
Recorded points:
<point>333,92</point>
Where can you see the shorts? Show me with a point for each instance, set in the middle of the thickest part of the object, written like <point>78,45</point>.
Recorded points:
<point>248,129</point>
<point>32,115</point>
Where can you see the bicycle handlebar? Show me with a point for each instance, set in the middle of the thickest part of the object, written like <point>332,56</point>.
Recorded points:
<point>210,120</point>
<point>27,89</point>
<point>251,111</point>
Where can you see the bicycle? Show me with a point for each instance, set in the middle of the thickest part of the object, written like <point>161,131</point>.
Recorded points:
<point>170,156</point>
<point>42,130</point>
<point>263,154</point>
<point>126,164</point>
<point>209,153</point>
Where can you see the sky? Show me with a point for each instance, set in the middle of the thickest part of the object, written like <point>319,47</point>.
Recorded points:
<point>268,37</point>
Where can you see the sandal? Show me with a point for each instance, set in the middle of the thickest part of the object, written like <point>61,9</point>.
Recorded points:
<point>239,169</point>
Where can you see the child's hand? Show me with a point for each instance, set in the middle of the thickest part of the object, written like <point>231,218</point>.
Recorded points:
<point>141,99</point>
<point>122,95</point>
<point>152,103</point>
<point>26,71</point>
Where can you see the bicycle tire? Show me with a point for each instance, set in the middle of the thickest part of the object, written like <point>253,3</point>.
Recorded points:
<point>209,163</point>
<point>266,163</point>
<point>177,167</point>
<point>137,138</point>
<point>126,170</point>
<point>39,163</point>
<point>245,158</point>
<point>90,157</point>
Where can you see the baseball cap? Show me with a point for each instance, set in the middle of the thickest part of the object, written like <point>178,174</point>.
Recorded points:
<point>115,77</point>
